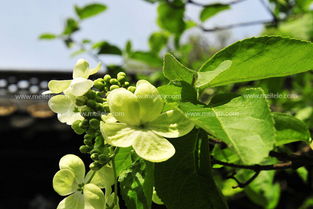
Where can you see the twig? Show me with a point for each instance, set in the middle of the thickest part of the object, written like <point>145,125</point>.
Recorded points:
<point>269,10</point>
<point>91,54</point>
<point>204,5</point>
<point>243,184</point>
<point>256,167</point>
<point>258,22</point>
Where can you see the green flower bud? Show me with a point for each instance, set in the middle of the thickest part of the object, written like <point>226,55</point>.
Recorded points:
<point>100,94</point>
<point>91,131</point>
<point>125,84</point>
<point>88,142</point>
<point>114,81</point>
<point>99,141</point>
<point>121,77</point>
<point>86,111</point>
<point>121,74</point>
<point>114,87</point>
<point>98,84</point>
<point>80,101</point>
<point>88,136</point>
<point>76,127</point>
<point>131,89</point>
<point>107,78</point>
<point>84,149</point>
<point>94,166</point>
<point>94,123</point>
<point>103,157</point>
<point>84,124</point>
<point>92,104</point>
<point>91,94</point>
<point>94,156</point>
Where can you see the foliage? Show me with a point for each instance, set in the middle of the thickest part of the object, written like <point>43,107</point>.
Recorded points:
<point>230,119</point>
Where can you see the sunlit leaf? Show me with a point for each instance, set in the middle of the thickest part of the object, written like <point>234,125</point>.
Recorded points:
<point>90,10</point>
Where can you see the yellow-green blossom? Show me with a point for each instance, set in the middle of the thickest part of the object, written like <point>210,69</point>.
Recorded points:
<point>84,192</point>
<point>139,122</point>
<point>64,105</point>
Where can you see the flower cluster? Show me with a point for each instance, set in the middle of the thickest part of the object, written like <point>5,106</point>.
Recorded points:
<point>138,120</point>
<point>110,113</point>
<point>83,191</point>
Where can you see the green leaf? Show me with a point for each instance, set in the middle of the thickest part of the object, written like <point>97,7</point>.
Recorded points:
<point>304,5</point>
<point>303,174</point>
<point>245,124</point>
<point>290,129</point>
<point>105,47</point>
<point>174,93</point>
<point>259,58</point>
<point>123,160</point>
<point>78,52</point>
<point>90,10</point>
<point>175,71</point>
<point>178,183</point>
<point>212,9</point>
<point>71,26</point>
<point>157,41</point>
<point>308,203</point>
<point>171,17</point>
<point>47,36</point>
<point>263,190</point>
<point>137,185</point>
<point>297,26</point>
<point>206,77</point>
<point>226,155</point>
<point>128,47</point>
<point>146,57</point>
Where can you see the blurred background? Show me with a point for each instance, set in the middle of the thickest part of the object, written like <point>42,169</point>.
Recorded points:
<point>42,39</point>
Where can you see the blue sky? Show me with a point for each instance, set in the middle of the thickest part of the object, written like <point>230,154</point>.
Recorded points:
<point>22,21</point>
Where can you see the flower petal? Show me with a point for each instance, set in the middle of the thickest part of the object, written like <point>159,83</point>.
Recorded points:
<point>118,134</point>
<point>92,71</point>
<point>155,198</point>
<point>75,164</point>
<point>110,201</point>
<point>82,70</point>
<point>74,201</point>
<point>152,147</point>
<point>79,87</point>
<point>60,103</point>
<point>56,86</point>
<point>69,117</point>
<point>171,124</point>
<point>103,178</point>
<point>94,197</point>
<point>124,106</point>
<point>150,101</point>
<point>64,182</point>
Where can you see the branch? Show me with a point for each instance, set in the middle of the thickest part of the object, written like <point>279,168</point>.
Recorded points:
<point>91,54</point>
<point>258,22</point>
<point>269,10</point>
<point>243,184</point>
<point>293,161</point>
<point>204,5</point>
<point>255,167</point>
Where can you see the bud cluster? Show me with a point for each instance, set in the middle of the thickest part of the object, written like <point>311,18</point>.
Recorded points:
<point>92,106</point>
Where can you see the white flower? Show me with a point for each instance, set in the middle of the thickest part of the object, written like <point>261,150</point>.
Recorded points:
<point>64,105</point>
<point>140,123</point>
<point>82,192</point>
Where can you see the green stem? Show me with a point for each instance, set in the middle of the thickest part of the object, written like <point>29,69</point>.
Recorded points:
<point>91,176</point>
<point>115,177</point>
